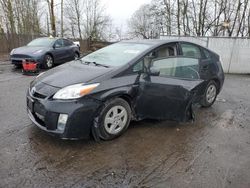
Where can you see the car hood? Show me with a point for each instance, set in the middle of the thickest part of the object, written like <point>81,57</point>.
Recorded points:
<point>28,49</point>
<point>72,73</point>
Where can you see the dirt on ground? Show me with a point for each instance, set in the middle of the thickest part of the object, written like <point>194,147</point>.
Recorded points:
<point>214,151</point>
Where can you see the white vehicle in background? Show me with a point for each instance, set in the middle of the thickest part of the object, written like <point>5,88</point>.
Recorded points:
<point>77,43</point>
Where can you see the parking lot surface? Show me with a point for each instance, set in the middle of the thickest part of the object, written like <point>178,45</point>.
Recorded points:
<point>214,151</point>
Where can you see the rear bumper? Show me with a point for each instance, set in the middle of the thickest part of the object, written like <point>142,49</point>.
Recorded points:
<point>45,113</point>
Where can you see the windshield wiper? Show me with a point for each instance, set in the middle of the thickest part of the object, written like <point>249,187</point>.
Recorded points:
<point>93,62</point>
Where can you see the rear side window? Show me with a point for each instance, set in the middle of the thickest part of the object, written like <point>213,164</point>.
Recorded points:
<point>190,50</point>
<point>67,42</point>
<point>207,54</point>
<point>167,51</point>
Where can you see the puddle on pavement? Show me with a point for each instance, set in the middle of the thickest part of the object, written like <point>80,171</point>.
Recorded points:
<point>221,100</point>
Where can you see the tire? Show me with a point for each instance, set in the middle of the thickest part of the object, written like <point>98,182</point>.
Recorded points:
<point>18,66</point>
<point>210,94</point>
<point>48,61</point>
<point>76,56</point>
<point>113,119</point>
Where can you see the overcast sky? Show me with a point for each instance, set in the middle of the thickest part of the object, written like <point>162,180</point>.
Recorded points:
<point>121,10</point>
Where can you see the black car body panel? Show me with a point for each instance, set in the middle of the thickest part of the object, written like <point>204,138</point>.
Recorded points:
<point>56,77</point>
<point>45,116</point>
<point>176,105</point>
<point>150,96</point>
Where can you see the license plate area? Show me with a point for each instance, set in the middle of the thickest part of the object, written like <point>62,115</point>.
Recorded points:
<point>30,104</point>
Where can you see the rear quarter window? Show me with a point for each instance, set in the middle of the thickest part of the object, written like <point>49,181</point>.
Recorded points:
<point>67,42</point>
<point>207,54</point>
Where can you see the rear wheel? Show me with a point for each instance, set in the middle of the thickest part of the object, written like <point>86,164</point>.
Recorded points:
<point>114,119</point>
<point>77,55</point>
<point>210,94</point>
<point>48,61</point>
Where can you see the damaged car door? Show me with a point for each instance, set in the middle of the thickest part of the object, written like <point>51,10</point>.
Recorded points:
<point>168,89</point>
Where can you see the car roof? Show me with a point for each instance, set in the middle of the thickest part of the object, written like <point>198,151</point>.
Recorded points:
<point>150,41</point>
<point>159,42</point>
<point>52,38</point>
<point>156,42</point>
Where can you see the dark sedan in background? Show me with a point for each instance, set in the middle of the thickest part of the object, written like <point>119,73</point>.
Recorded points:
<point>101,92</point>
<point>46,51</point>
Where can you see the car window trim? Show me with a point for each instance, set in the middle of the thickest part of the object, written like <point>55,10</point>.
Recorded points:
<point>204,56</point>
<point>68,41</point>
<point>199,47</point>
<point>155,49</point>
<point>62,42</point>
<point>180,78</point>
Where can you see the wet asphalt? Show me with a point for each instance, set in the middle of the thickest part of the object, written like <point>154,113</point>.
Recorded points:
<point>214,151</point>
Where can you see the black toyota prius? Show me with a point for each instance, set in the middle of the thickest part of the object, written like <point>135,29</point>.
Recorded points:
<point>100,94</point>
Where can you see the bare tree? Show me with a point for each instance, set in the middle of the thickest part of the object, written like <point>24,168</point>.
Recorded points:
<point>8,14</point>
<point>52,16</point>
<point>62,31</point>
<point>142,23</point>
<point>196,17</point>
<point>75,15</point>
<point>96,22</point>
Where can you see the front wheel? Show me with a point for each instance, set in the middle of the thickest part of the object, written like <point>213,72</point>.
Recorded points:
<point>18,66</point>
<point>48,61</point>
<point>210,94</point>
<point>114,119</point>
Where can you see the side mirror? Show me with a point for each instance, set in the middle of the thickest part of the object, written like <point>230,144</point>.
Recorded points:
<point>153,71</point>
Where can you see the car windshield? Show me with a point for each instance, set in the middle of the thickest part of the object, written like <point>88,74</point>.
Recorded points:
<point>117,54</point>
<point>42,42</point>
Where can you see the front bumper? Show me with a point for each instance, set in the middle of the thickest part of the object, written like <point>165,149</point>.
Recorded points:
<point>44,114</point>
<point>18,59</point>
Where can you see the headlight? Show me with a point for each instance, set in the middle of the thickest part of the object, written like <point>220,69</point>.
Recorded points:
<point>38,52</point>
<point>75,91</point>
<point>12,51</point>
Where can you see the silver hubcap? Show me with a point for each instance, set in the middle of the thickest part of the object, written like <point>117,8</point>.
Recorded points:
<point>116,119</point>
<point>49,61</point>
<point>211,93</point>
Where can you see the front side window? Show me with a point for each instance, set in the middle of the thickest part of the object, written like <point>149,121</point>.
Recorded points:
<point>181,67</point>
<point>59,43</point>
<point>138,66</point>
<point>190,50</point>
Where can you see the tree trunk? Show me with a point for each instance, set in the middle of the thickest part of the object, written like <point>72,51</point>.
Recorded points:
<point>62,18</point>
<point>178,17</point>
<point>53,21</point>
